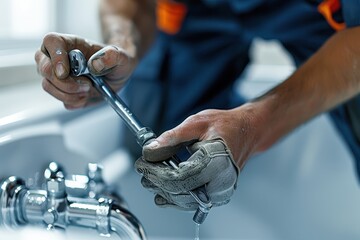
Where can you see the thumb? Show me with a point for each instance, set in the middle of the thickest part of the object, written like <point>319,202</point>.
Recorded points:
<point>109,59</point>
<point>158,150</point>
<point>170,142</point>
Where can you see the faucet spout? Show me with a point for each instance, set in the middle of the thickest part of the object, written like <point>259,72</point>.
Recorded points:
<point>125,224</point>
<point>107,216</point>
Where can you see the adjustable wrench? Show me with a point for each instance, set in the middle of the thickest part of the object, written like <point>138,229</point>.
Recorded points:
<point>78,66</point>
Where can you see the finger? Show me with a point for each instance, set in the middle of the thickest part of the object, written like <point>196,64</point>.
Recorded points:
<point>163,147</point>
<point>161,175</point>
<point>154,171</point>
<point>110,61</point>
<point>164,152</point>
<point>149,185</point>
<point>162,202</point>
<point>187,205</point>
<point>55,47</point>
<point>228,186</point>
<point>160,197</point>
<point>71,101</point>
<point>72,85</point>
<point>216,144</point>
<point>44,67</point>
<point>178,180</point>
<point>160,154</point>
<point>210,159</point>
<point>191,129</point>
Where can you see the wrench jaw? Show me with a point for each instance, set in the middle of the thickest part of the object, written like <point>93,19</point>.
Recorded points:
<point>78,63</point>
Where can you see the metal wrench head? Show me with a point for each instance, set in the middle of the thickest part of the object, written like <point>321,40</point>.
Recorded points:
<point>78,63</point>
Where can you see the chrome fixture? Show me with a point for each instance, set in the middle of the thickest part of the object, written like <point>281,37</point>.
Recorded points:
<point>81,201</point>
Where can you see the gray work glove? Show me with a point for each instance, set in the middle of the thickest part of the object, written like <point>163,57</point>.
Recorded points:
<point>211,164</point>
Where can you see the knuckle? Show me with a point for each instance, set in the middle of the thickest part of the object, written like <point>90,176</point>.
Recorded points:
<point>170,134</point>
<point>75,104</point>
<point>115,56</point>
<point>70,99</point>
<point>45,85</point>
<point>38,55</point>
<point>69,106</point>
<point>111,57</point>
<point>71,87</point>
<point>122,57</point>
<point>50,37</point>
<point>197,119</point>
<point>45,69</point>
<point>144,182</point>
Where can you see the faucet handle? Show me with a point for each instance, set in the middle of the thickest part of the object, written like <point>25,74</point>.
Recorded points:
<point>96,183</point>
<point>56,188</point>
<point>94,172</point>
<point>55,217</point>
<point>53,171</point>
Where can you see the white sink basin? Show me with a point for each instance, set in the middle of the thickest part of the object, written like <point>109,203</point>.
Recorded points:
<point>27,151</point>
<point>27,233</point>
<point>36,130</point>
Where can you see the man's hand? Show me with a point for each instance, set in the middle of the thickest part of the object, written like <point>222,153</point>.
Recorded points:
<point>211,164</point>
<point>221,137</point>
<point>111,62</point>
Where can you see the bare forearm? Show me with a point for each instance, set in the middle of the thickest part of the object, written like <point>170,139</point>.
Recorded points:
<point>327,79</point>
<point>129,24</point>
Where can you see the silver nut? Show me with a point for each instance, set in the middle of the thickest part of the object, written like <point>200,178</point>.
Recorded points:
<point>50,216</point>
<point>56,186</point>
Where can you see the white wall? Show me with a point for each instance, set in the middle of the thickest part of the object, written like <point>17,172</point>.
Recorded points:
<point>17,65</point>
<point>79,17</point>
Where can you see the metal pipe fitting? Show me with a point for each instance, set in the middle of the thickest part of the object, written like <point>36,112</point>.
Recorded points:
<point>54,208</point>
<point>12,190</point>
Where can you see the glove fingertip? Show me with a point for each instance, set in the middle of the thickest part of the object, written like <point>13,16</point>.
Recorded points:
<point>159,154</point>
<point>160,201</point>
<point>141,166</point>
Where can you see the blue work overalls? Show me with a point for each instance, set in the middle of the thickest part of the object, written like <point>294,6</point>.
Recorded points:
<point>197,67</point>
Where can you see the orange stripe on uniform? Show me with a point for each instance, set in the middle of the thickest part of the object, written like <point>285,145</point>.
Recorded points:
<point>170,16</point>
<point>327,8</point>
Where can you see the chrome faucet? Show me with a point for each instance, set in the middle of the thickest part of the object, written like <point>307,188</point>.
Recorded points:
<point>82,201</point>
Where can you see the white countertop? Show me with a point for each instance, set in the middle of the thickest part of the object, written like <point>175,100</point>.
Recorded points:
<point>24,102</point>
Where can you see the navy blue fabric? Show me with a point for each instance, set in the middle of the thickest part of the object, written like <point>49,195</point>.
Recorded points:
<point>347,117</point>
<point>351,12</point>
<point>340,117</point>
<point>196,69</point>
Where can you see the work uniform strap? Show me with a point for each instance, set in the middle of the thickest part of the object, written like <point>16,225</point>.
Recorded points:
<point>350,12</point>
<point>327,8</point>
<point>170,15</point>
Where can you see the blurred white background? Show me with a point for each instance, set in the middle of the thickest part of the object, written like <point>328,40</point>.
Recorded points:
<point>23,24</point>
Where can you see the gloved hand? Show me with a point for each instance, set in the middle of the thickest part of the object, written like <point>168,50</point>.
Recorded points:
<point>211,164</point>
<point>222,136</point>
<point>112,62</point>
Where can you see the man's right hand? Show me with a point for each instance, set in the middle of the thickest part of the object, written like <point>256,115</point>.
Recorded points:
<point>111,62</point>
